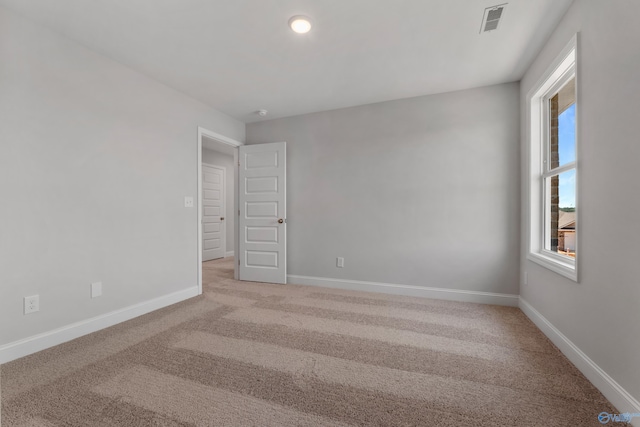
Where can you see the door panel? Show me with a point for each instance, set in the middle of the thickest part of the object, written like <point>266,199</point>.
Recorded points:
<point>213,230</point>
<point>262,222</point>
<point>261,210</point>
<point>262,185</point>
<point>262,234</point>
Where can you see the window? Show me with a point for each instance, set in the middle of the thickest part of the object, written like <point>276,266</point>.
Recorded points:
<point>553,167</point>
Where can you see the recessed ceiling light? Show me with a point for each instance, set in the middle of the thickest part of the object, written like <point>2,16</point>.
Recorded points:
<point>300,24</point>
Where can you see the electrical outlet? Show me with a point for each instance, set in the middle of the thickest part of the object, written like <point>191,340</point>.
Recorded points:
<point>31,304</point>
<point>96,289</point>
<point>188,202</point>
<point>340,262</point>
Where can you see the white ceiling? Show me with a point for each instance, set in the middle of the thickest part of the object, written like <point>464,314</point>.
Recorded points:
<point>239,56</point>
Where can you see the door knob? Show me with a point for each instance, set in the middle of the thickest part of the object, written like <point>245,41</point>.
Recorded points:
<point>221,218</point>
<point>280,221</point>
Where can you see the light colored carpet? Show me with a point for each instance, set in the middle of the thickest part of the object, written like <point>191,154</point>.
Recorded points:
<point>253,354</point>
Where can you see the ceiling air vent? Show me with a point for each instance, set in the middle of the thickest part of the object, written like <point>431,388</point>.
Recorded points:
<point>491,17</point>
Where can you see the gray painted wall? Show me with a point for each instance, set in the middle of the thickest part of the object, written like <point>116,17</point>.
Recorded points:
<point>220,159</point>
<point>95,162</point>
<point>422,191</point>
<point>600,314</point>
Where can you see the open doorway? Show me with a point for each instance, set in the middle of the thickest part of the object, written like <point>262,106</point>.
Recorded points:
<point>217,206</point>
<point>217,199</point>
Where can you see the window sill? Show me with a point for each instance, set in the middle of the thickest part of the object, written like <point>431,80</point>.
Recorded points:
<point>565,269</point>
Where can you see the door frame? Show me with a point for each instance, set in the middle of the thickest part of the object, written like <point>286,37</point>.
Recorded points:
<point>223,212</point>
<point>221,139</point>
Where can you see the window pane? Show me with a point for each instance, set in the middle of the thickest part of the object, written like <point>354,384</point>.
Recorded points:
<point>567,135</point>
<point>562,130</point>
<point>560,216</point>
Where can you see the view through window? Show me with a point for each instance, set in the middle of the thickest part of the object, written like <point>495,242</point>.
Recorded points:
<point>560,174</point>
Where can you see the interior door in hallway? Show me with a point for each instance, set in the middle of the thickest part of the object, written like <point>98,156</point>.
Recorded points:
<point>262,227</point>
<point>213,230</point>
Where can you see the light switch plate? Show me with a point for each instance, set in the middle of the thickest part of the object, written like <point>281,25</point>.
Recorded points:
<point>96,289</point>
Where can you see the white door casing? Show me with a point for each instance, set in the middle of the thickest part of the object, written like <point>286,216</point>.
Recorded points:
<point>213,211</point>
<point>262,218</point>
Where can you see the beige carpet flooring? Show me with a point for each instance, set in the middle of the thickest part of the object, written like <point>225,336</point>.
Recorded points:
<point>251,354</point>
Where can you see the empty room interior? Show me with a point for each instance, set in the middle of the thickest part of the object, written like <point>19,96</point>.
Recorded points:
<point>319,213</point>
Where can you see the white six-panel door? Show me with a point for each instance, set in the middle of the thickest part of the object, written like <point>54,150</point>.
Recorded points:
<point>262,216</point>
<point>213,230</point>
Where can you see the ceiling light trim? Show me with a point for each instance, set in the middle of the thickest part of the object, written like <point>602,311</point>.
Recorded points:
<point>300,24</point>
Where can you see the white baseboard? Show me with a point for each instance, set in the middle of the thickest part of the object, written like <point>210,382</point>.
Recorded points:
<point>407,290</point>
<point>618,396</point>
<point>24,347</point>
<point>229,253</point>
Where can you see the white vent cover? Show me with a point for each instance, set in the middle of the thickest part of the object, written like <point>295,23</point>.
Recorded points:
<point>491,18</point>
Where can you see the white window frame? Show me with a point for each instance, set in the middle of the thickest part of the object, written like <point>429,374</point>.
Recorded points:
<point>558,74</point>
